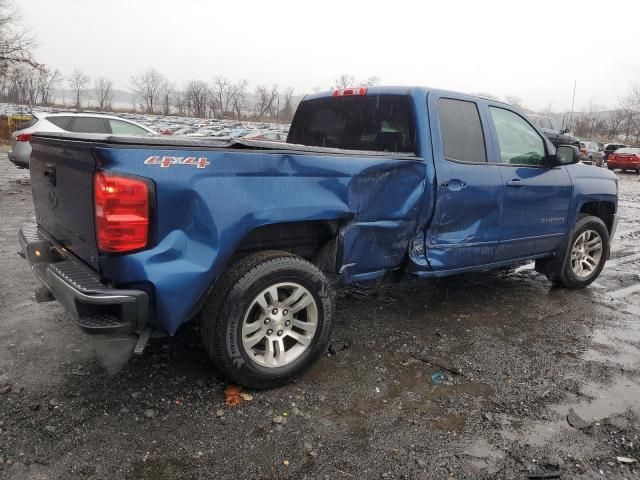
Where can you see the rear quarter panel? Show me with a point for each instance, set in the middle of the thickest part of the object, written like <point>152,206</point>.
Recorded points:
<point>203,214</point>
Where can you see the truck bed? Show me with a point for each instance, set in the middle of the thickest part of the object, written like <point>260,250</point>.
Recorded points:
<point>196,143</point>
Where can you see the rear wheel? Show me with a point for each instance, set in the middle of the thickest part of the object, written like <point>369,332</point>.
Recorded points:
<point>587,252</point>
<point>268,319</point>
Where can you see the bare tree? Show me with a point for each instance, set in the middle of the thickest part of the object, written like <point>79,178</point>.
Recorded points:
<point>78,82</point>
<point>166,90</point>
<point>547,111</point>
<point>48,81</point>
<point>104,93</point>
<point>631,105</point>
<point>514,100</point>
<point>223,92</point>
<point>239,97</point>
<point>370,82</point>
<point>286,114</point>
<point>15,42</point>
<point>265,98</point>
<point>590,122</point>
<point>179,101</point>
<point>147,86</point>
<point>344,81</point>
<point>197,95</point>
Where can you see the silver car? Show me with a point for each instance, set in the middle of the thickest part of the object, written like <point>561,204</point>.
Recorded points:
<point>591,153</point>
<point>69,122</point>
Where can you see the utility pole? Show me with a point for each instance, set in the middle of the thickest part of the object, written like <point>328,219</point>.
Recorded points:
<point>573,100</point>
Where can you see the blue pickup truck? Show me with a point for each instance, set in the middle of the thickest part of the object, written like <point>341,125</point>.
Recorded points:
<point>250,238</point>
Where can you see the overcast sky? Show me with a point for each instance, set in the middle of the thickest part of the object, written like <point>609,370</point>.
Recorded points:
<point>530,49</point>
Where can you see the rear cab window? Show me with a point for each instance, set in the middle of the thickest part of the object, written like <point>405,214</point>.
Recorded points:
<point>461,131</point>
<point>382,123</point>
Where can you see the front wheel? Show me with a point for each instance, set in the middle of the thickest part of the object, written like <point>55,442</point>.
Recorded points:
<point>587,252</point>
<point>268,319</point>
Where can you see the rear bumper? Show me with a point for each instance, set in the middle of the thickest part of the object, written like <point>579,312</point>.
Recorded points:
<point>18,161</point>
<point>20,153</point>
<point>95,307</point>
<point>624,165</point>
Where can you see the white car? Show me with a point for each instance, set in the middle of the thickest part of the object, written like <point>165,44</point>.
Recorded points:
<point>69,122</point>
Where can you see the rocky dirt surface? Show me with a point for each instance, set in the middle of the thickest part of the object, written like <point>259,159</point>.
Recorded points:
<point>496,375</point>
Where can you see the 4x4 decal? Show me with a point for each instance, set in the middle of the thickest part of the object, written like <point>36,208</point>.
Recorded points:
<point>166,162</point>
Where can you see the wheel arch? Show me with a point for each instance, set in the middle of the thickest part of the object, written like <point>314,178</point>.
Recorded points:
<point>313,240</point>
<point>604,210</point>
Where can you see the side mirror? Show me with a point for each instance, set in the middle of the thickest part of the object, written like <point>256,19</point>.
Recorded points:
<point>564,130</point>
<point>565,155</point>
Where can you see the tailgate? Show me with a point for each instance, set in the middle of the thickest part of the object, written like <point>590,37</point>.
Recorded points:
<point>62,188</point>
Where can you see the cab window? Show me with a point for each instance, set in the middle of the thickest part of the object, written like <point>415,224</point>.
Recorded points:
<point>519,142</point>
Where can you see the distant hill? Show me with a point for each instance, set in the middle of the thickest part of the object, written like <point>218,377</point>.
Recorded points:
<point>121,98</point>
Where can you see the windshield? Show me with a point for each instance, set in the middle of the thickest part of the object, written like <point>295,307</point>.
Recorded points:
<point>368,122</point>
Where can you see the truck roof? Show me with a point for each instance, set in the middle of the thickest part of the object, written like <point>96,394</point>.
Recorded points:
<point>399,90</point>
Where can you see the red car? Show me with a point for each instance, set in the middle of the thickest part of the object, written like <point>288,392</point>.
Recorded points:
<point>625,159</point>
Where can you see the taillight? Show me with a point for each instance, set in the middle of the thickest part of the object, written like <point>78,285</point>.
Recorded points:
<point>347,92</point>
<point>122,212</point>
<point>23,137</point>
<point>583,151</point>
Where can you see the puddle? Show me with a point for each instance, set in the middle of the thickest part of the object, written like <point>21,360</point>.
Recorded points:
<point>608,400</point>
<point>618,346</point>
<point>605,401</point>
<point>483,455</point>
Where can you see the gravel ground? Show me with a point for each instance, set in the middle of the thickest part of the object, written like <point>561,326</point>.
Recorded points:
<point>537,382</point>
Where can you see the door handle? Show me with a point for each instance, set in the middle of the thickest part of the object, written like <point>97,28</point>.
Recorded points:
<point>516,182</point>
<point>454,185</point>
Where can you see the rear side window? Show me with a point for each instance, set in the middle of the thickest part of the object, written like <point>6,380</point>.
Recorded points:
<point>382,123</point>
<point>88,125</point>
<point>119,127</point>
<point>461,131</point>
<point>61,122</point>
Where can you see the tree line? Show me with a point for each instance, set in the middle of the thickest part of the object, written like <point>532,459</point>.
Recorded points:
<point>621,123</point>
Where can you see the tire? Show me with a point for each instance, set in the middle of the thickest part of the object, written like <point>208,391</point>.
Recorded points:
<point>277,358</point>
<point>571,276</point>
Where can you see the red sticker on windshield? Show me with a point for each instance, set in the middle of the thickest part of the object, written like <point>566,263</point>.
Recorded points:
<point>166,162</point>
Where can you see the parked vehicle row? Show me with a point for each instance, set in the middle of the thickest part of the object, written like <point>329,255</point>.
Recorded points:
<point>136,124</point>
